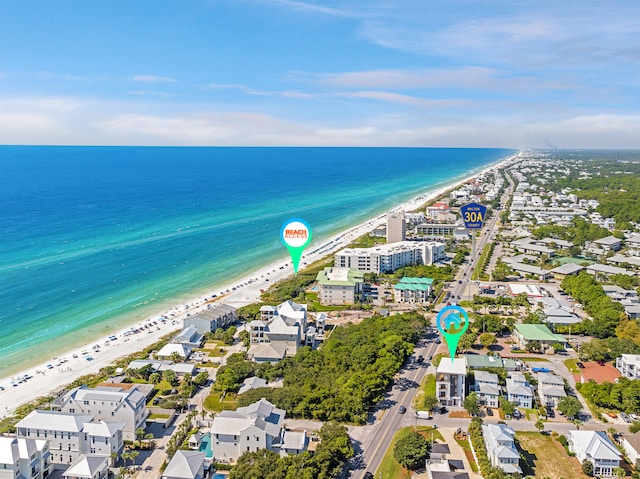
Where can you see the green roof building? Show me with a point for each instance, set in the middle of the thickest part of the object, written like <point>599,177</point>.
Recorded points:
<point>412,290</point>
<point>525,333</point>
<point>337,286</point>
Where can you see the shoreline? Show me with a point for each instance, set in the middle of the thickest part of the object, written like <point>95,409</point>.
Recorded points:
<point>103,351</point>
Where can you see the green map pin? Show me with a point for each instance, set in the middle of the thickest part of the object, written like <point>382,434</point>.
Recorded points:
<point>296,235</point>
<point>452,322</point>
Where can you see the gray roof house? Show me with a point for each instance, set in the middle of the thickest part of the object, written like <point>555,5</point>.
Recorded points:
<point>486,386</point>
<point>88,467</point>
<point>218,316</point>
<point>550,389</point>
<point>501,448</point>
<point>257,426</point>
<point>519,393</point>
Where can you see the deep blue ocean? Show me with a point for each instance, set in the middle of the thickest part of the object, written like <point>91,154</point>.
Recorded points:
<point>97,237</point>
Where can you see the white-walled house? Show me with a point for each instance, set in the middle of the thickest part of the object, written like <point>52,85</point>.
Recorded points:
<point>631,445</point>
<point>72,435</point>
<point>501,447</point>
<point>22,458</point>
<point>250,428</point>
<point>486,387</point>
<point>595,447</point>
<point>518,391</point>
<point>450,381</point>
<point>109,404</point>
<point>278,333</point>
<point>550,389</point>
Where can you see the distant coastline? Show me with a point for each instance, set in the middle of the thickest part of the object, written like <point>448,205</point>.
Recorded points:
<point>242,295</point>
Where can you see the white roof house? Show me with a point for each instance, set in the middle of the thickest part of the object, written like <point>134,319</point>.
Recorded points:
<point>182,350</point>
<point>595,447</point>
<point>252,383</point>
<point>519,393</point>
<point>185,465</point>
<point>88,467</point>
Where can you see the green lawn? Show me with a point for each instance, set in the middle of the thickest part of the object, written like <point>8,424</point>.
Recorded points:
<point>535,360</point>
<point>213,403</point>
<point>389,468</point>
<point>572,366</point>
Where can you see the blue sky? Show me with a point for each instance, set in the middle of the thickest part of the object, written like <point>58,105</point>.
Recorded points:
<point>351,72</point>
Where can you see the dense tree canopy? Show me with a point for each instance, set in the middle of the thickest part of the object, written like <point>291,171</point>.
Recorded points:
<point>622,396</point>
<point>347,374</point>
<point>411,450</point>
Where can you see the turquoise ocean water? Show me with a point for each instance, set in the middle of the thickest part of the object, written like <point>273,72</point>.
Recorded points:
<point>94,238</point>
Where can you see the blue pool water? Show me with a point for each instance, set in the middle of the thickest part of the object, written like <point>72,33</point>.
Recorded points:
<point>218,476</point>
<point>205,446</point>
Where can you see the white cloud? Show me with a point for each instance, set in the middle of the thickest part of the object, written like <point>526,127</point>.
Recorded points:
<point>153,79</point>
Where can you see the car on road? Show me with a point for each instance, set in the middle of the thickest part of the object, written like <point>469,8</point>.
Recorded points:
<point>429,357</point>
<point>368,475</point>
<point>420,359</point>
<point>443,410</point>
<point>580,365</point>
<point>402,409</point>
<point>437,342</point>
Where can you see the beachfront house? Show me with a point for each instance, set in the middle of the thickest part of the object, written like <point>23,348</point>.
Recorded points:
<point>278,333</point>
<point>24,458</point>
<point>185,465</point>
<point>250,428</point>
<point>72,435</point>
<point>218,316</point>
<point>109,403</point>
<point>190,337</point>
<point>595,447</point>
<point>338,286</point>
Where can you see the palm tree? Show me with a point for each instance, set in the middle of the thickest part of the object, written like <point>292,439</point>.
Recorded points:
<point>149,437</point>
<point>539,425</point>
<point>140,435</point>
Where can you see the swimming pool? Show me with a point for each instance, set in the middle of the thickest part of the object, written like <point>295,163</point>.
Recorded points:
<point>218,476</point>
<point>205,446</point>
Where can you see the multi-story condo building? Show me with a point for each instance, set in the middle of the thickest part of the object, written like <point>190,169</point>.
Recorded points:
<point>72,435</point>
<point>109,404</point>
<point>338,286</point>
<point>388,258</point>
<point>396,227</point>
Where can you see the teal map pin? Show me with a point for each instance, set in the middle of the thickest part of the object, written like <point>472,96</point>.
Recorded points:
<point>452,322</point>
<point>296,235</point>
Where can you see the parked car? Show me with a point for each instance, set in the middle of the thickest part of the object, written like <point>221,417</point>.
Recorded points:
<point>420,359</point>
<point>489,411</point>
<point>625,417</point>
<point>612,415</point>
<point>601,362</point>
<point>443,410</point>
<point>580,365</point>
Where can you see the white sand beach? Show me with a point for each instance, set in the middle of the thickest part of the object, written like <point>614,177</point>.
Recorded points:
<point>55,373</point>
